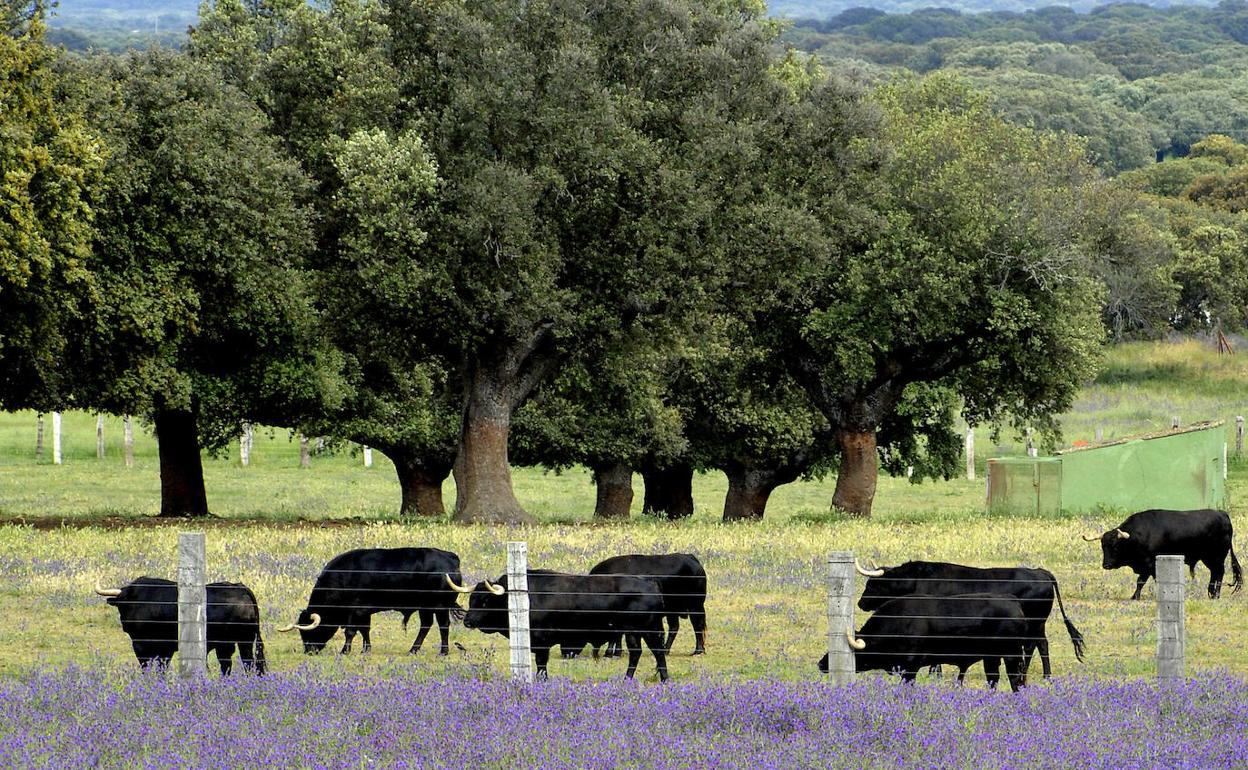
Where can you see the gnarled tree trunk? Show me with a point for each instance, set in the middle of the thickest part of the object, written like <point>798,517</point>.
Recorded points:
<point>669,491</point>
<point>748,492</point>
<point>499,377</point>
<point>615,490</point>
<point>181,469</point>
<point>855,482</point>
<point>420,482</point>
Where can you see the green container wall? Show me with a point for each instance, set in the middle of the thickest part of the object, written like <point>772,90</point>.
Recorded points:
<point>1178,470</point>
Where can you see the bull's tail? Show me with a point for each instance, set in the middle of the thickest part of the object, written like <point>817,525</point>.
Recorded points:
<point>258,656</point>
<point>1076,638</point>
<point>1237,573</point>
<point>457,613</point>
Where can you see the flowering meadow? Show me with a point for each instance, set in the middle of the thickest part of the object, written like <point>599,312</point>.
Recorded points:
<point>306,718</point>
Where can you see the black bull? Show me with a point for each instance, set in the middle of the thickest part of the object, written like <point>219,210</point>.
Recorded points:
<point>1197,536</point>
<point>149,615</point>
<point>913,632</point>
<point>682,581</point>
<point>567,610</point>
<point>357,584</point>
<point>1035,590</point>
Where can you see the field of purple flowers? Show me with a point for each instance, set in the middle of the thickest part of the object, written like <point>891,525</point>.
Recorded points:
<point>74,717</point>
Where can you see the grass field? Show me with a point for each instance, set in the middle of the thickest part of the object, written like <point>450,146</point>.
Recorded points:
<point>278,525</point>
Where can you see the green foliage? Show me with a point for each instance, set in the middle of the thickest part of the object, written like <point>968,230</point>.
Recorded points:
<point>198,249</point>
<point>49,166</point>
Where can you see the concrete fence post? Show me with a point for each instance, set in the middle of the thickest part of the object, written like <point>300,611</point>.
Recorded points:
<point>192,605</point>
<point>39,437</point>
<point>1100,434</point>
<point>1239,435</point>
<point>970,454</point>
<point>518,610</point>
<point>368,457</point>
<point>840,616</point>
<point>99,437</point>
<point>305,459</point>
<point>244,445</point>
<point>1031,445</point>
<point>128,440</point>
<point>1171,628</point>
<point>56,438</point>
<point>1174,422</point>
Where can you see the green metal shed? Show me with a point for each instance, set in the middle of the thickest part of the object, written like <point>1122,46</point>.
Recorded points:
<point>1180,469</point>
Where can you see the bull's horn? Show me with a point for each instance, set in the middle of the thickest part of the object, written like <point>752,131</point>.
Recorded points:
<point>1122,535</point>
<point>496,590</point>
<point>459,589</point>
<point>316,621</point>
<point>106,591</point>
<point>857,644</point>
<point>1091,538</point>
<point>877,572</point>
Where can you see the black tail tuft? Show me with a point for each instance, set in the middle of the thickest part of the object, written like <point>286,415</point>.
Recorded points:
<point>259,661</point>
<point>457,613</point>
<point>1076,638</point>
<point>1236,572</point>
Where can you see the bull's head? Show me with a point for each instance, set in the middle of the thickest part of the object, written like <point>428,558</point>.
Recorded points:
<point>314,633</point>
<point>487,607</point>
<point>110,594</point>
<point>1115,548</point>
<point>883,584</point>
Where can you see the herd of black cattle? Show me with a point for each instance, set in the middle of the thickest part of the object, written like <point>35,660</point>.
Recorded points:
<point>925,613</point>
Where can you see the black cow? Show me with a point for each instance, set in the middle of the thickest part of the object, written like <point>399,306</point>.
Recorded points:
<point>1035,589</point>
<point>1203,535</point>
<point>681,579</point>
<point>569,610</point>
<point>913,632</point>
<point>355,585</point>
<point>149,615</point>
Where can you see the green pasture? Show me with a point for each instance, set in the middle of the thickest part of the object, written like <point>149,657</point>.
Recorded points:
<point>277,525</point>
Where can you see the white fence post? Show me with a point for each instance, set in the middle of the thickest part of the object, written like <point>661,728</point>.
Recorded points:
<point>970,453</point>
<point>1031,445</point>
<point>56,438</point>
<point>368,457</point>
<point>1174,422</point>
<point>840,616</point>
<point>39,438</point>
<point>128,440</point>
<point>244,445</point>
<point>518,610</point>
<point>192,606</point>
<point>1171,628</point>
<point>1239,435</point>
<point>305,460</point>
<point>1099,434</point>
<point>99,437</point>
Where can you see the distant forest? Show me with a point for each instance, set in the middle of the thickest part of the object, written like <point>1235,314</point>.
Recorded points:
<point>1138,83</point>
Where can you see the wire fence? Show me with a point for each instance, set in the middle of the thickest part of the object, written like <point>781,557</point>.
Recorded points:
<point>1007,617</point>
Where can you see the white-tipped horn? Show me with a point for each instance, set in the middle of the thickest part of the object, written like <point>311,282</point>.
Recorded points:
<point>451,583</point>
<point>1122,535</point>
<point>496,590</point>
<point>106,591</point>
<point>857,644</point>
<point>316,621</point>
<point>1091,538</point>
<point>877,572</point>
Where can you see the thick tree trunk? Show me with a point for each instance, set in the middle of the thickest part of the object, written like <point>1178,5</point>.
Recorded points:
<point>855,482</point>
<point>748,492</point>
<point>181,470</point>
<point>420,482</point>
<point>483,484</point>
<point>669,491</point>
<point>615,491</point>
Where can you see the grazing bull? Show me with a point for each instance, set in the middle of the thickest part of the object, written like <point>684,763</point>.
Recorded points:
<point>914,632</point>
<point>1035,589</point>
<point>355,585</point>
<point>682,581</point>
<point>1203,535</point>
<point>569,610</point>
<point>149,615</point>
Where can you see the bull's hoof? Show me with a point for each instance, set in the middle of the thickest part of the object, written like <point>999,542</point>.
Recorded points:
<point>699,652</point>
